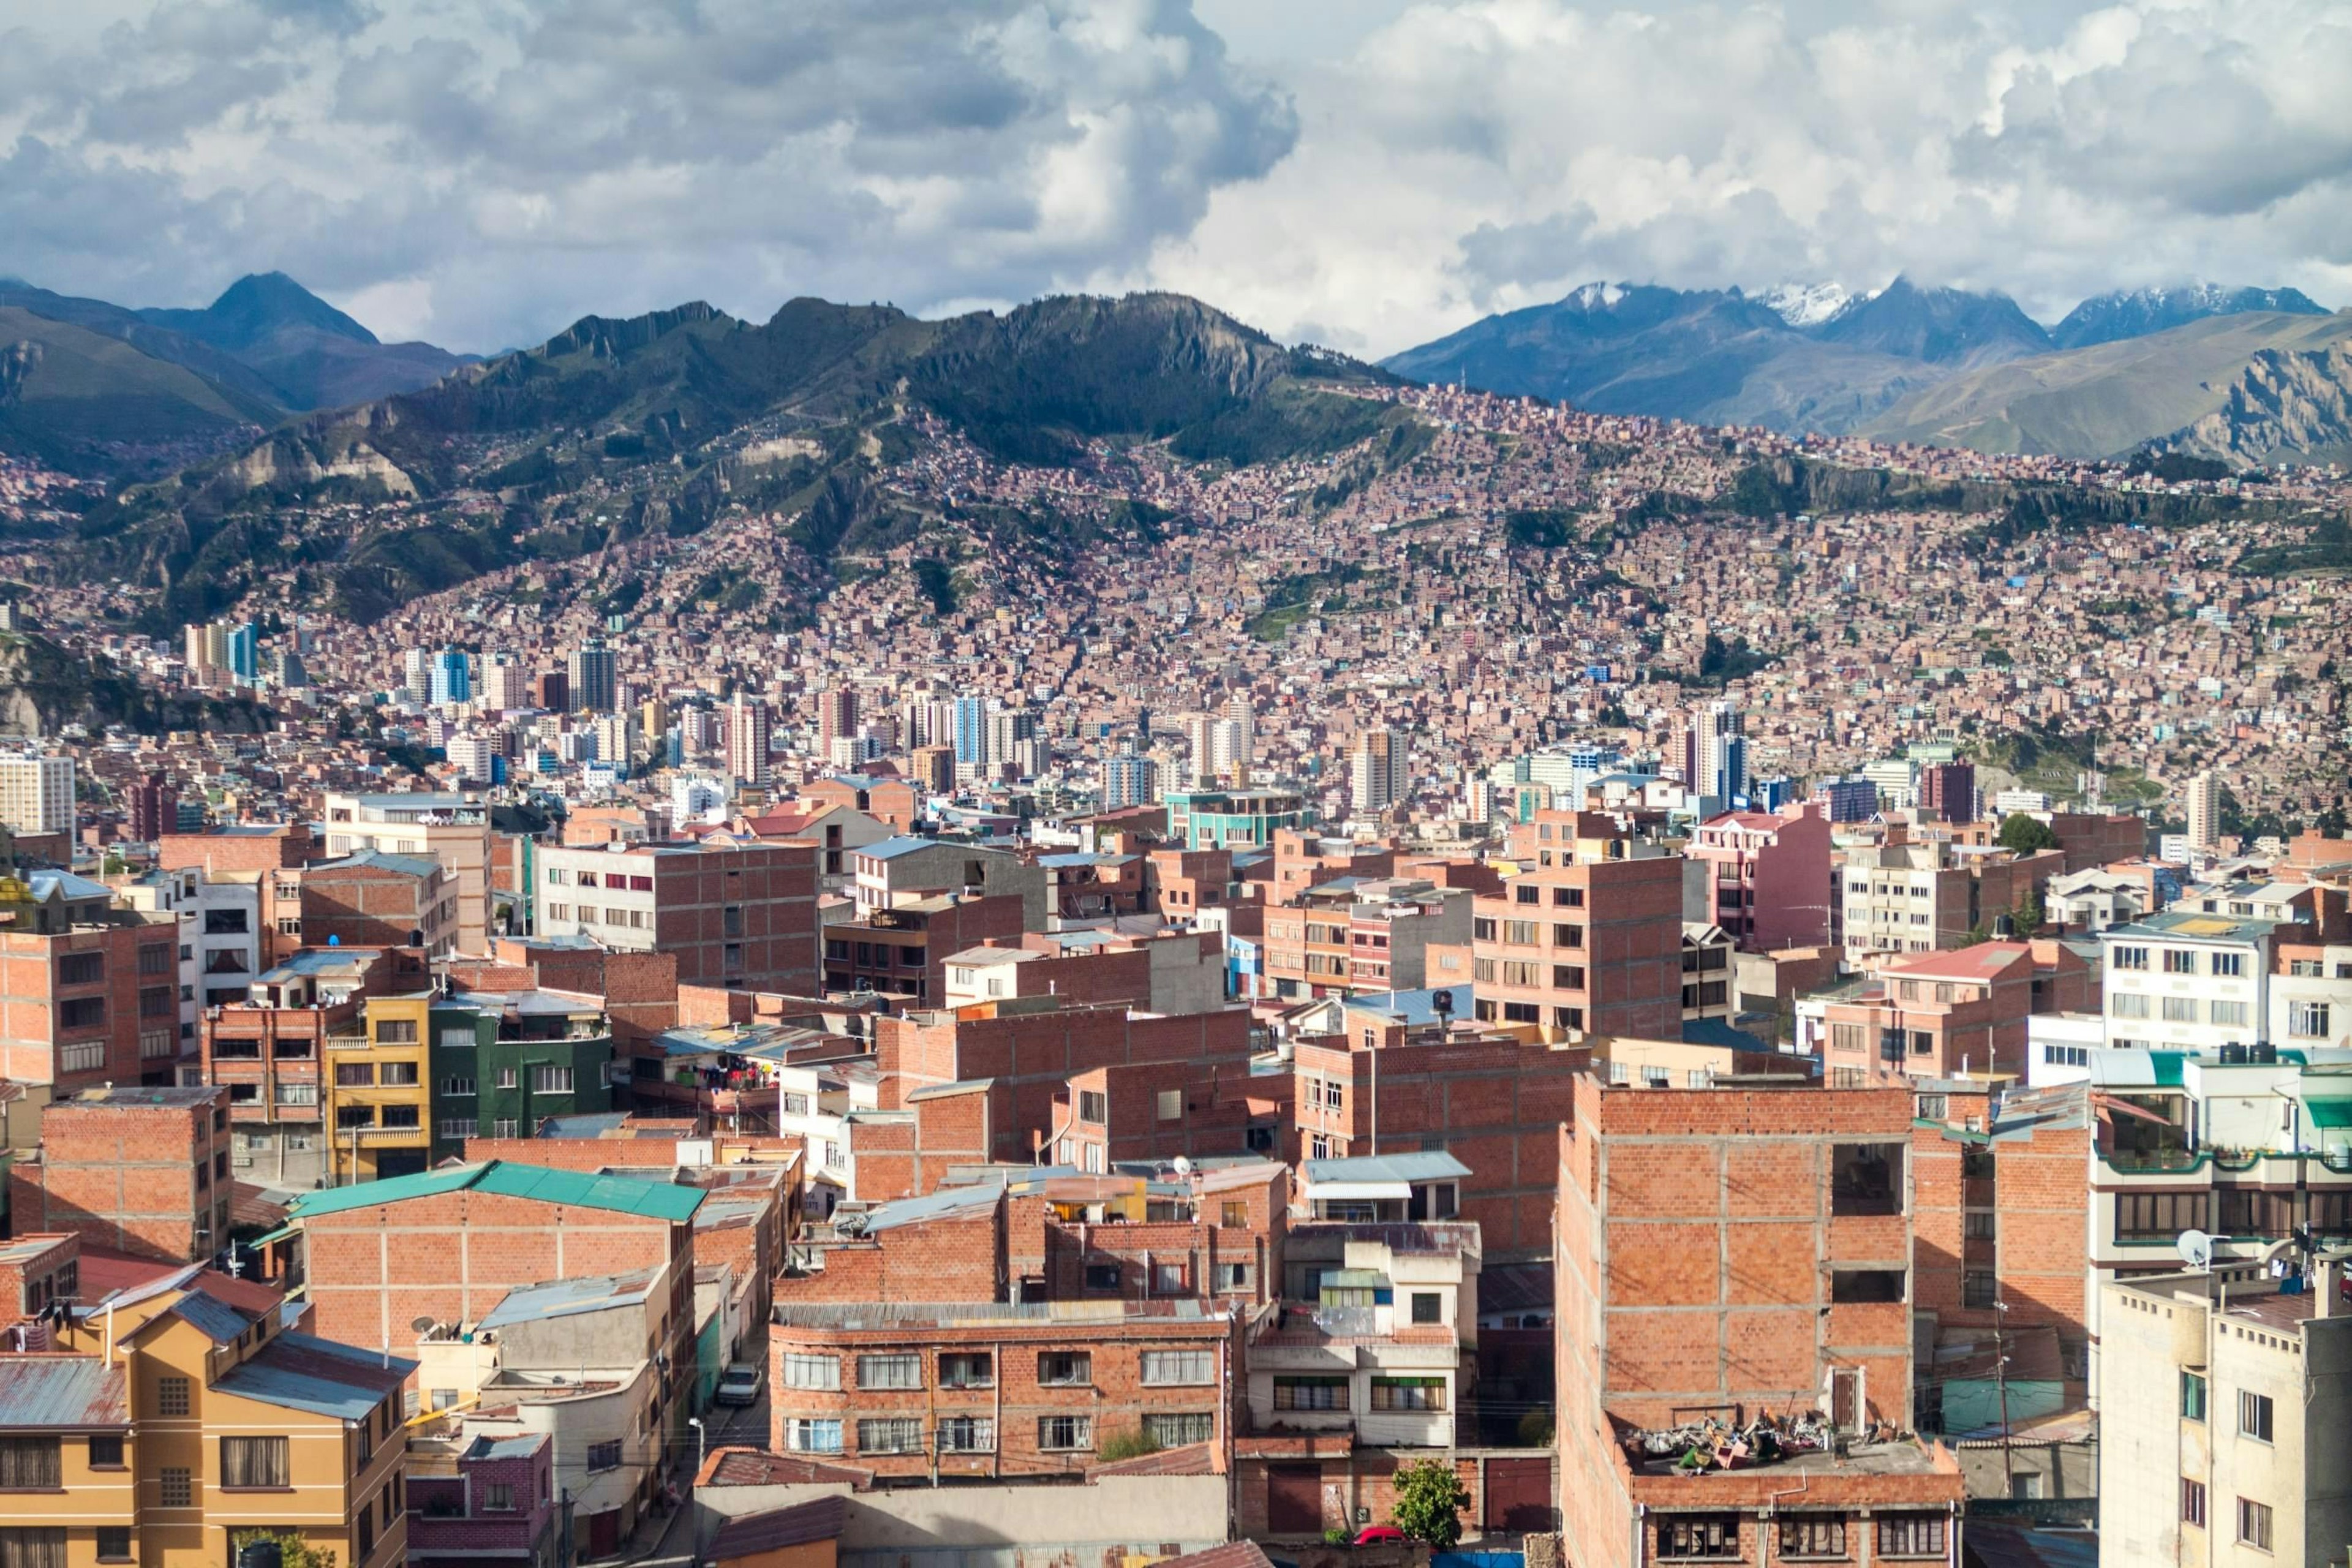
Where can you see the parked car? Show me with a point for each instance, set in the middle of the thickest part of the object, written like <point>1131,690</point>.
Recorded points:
<point>739,1385</point>
<point>1379,1535</point>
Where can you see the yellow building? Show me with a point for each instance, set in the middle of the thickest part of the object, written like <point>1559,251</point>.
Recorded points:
<point>379,1092</point>
<point>171,1434</point>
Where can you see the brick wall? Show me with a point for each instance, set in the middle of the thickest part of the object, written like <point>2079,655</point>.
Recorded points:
<point>125,1176</point>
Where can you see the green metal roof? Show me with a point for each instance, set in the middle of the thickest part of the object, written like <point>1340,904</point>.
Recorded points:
<point>620,1195</point>
<point>2168,1067</point>
<point>2329,1114</point>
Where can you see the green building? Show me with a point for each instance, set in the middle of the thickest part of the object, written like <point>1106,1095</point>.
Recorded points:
<point>505,1061</point>
<point>1234,818</point>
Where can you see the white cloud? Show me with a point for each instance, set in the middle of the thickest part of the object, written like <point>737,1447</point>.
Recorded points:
<point>1369,173</point>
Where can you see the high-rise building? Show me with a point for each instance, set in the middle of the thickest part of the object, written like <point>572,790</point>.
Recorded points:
<point>505,683</point>
<point>1380,772</point>
<point>453,679</point>
<point>1128,779</point>
<point>967,722</point>
<point>417,676</point>
<point>198,656</point>
<point>747,738</point>
<point>155,807</point>
<point>595,677</point>
<point>2204,811</point>
<point>245,652</point>
<point>1008,728</point>
<point>837,715</point>
<point>1241,741</point>
<point>1948,790</point>
<point>552,689</point>
<point>36,794</point>
<point>1715,763</point>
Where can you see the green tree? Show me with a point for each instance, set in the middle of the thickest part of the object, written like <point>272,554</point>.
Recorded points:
<point>2026,834</point>
<point>296,1552</point>
<point>1430,1498</point>
<point>2028,913</point>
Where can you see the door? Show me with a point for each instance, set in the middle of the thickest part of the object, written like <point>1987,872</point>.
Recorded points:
<point>605,1534</point>
<point>1293,1499</point>
<point>1519,1495</point>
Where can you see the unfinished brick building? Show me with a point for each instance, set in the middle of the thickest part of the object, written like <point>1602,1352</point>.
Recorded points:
<point>137,1169</point>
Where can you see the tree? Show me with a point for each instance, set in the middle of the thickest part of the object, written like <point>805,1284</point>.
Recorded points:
<point>294,1551</point>
<point>2026,834</point>
<point>1430,1498</point>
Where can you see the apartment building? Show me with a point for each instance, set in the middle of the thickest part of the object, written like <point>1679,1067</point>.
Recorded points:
<point>738,915</point>
<point>175,1429</point>
<point>377,899</point>
<point>1362,934</point>
<point>140,1171</point>
<point>379,1093</point>
<point>90,991</point>
<point>1582,946</point>
<point>1914,896</point>
<point>1166,971</point>
<point>1769,882</point>
<point>2223,1432</point>
<point>1944,1014</point>
<point>484,1498</point>
<point>36,794</point>
<point>905,870</point>
<point>504,1063</point>
<point>1232,819</point>
<point>446,827</point>
<point>1730,1253</point>
<point>902,953</point>
<point>972,1389</point>
<point>2189,981</point>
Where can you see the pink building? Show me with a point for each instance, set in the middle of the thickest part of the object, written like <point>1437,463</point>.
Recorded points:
<point>1769,878</point>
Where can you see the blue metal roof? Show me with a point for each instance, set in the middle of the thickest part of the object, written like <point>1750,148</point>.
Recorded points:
<point>1427,1165</point>
<point>69,1393</point>
<point>890,848</point>
<point>300,1372</point>
<point>47,885</point>
<point>219,1321</point>
<point>520,1447</point>
<point>1415,1009</point>
<point>931,1206</point>
<point>589,1124</point>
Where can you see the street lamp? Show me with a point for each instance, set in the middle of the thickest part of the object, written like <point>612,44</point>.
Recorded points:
<point>693,1488</point>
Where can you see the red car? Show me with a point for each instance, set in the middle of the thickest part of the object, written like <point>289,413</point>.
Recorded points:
<point>1378,1536</point>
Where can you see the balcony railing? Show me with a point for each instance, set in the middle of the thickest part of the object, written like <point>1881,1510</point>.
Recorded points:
<point>2135,1161</point>
<point>347,1042</point>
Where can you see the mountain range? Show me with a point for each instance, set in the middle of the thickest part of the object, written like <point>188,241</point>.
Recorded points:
<point>2120,372</point>
<point>267,349</point>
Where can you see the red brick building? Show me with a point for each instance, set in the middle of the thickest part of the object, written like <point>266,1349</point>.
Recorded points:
<point>734,914</point>
<point>246,846</point>
<point>1937,1015</point>
<point>140,1171</point>
<point>1585,946</point>
<point>89,993</point>
<point>1737,1252</point>
<point>901,953</point>
<point>37,1269</point>
<point>375,899</point>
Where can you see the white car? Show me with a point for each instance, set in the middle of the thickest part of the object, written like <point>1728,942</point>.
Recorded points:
<point>739,1385</point>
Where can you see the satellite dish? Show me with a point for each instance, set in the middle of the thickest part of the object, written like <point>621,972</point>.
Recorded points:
<point>1183,1166</point>
<point>420,1325</point>
<point>2196,1248</point>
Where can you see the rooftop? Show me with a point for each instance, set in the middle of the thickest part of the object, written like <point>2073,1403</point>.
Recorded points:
<point>61,1394</point>
<point>299,1372</point>
<point>571,1298</point>
<point>620,1195</point>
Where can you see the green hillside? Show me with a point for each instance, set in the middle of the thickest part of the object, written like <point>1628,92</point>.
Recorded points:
<point>79,400</point>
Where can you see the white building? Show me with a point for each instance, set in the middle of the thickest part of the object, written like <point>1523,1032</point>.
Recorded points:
<point>2204,811</point>
<point>2187,981</point>
<point>1379,770</point>
<point>2094,899</point>
<point>36,794</point>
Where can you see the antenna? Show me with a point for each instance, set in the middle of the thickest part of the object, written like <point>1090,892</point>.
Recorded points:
<point>1183,1166</point>
<point>2196,1248</point>
<point>420,1325</point>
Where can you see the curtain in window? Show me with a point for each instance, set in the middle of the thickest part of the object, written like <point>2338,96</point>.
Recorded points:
<point>253,1462</point>
<point>29,1463</point>
<point>42,1548</point>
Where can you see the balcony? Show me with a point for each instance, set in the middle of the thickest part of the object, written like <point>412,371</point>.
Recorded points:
<point>2152,1160</point>
<point>347,1042</point>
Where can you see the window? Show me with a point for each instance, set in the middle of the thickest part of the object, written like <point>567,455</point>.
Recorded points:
<point>551,1080</point>
<point>2158,1217</point>
<point>38,1546</point>
<point>1979,1291</point>
<point>1408,1393</point>
<point>2307,1020</point>
<point>2181,1009</point>
<point>2127,1005</point>
<point>498,1497</point>
<point>253,1462</point>
<point>899,1371</point>
<point>1910,1535</point>
<point>1310,1392</point>
<point>1980,1225</point>
<point>81,1013</point>
<point>2179,961</point>
<point>1232,1277</point>
<point>457,1037</point>
<point>1866,1179</point>
<point>457,1088</point>
<point>1850,1286</point>
<point>2232,1014</point>
<point>398,1075</point>
<point>81,969</point>
<point>1163,1369</point>
<point>1167,1279</point>
<point>402,1116</point>
<point>113,1543</point>
<point>1810,1536</point>
<point>171,1397</point>
<point>1061,1434</point>
<point>176,1487</point>
<point>296,1094</point>
<point>2192,1502</point>
<point>30,1464</point>
<point>396,1031</point>
<point>604,1456</point>
<point>2254,1415</point>
<point>970,1370</point>
<point>106,1453</point>
<point>355,1075</point>
<point>2242,1211</point>
<point>2254,1524</point>
<point>88,1056</point>
<point>1102,1276</point>
<point>1519,933</point>
<point>1065,1369</point>
<point>1094,1106</point>
<point>806,1436</point>
<point>1699,1535</point>
<point>2192,1396</point>
<point>507,1078</point>
<point>1428,1307</point>
<point>1173,1431</point>
<point>1233,1215</point>
<point>967,1435</point>
<point>1170,1105</point>
<point>2129,958</point>
<point>2229,964</point>
<point>819,1372</point>
<point>899,1435</point>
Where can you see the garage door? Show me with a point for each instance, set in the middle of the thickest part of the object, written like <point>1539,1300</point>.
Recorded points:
<point>1293,1499</point>
<point>1519,1495</point>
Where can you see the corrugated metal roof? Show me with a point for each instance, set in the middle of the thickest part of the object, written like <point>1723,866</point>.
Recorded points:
<point>297,1372</point>
<point>568,1298</point>
<point>215,1319</point>
<point>620,1195</point>
<point>751,1534</point>
<point>61,1393</point>
<point>520,1447</point>
<point>1426,1166</point>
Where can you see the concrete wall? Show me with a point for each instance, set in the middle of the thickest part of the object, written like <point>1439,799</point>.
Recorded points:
<point>983,1526</point>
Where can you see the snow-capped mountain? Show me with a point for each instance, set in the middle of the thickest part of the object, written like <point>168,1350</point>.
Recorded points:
<point>1804,304</point>
<point>2137,312</point>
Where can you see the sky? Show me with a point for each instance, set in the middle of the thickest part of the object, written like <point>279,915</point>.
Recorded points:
<point>1364,174</point>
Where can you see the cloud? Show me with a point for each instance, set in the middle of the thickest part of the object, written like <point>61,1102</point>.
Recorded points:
<point>1367,173</point>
